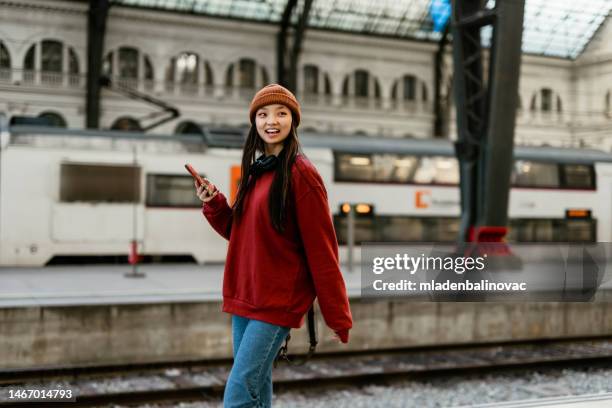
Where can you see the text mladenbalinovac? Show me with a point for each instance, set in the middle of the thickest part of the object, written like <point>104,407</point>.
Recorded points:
<point>482,285</point>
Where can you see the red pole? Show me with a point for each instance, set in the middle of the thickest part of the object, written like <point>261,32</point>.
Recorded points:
<point>133,257</point>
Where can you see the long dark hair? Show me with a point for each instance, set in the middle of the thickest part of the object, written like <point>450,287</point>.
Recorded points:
<point>281,185</point>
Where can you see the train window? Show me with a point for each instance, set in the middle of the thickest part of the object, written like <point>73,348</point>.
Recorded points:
<point>394,168</point>
<point>578,176</point>
<point>512,234</point>
<point>99,183</point>
<point>441,229</point>
<point>365,229</point>
<point>401,229</point>
<point>580,230</point>
<point>171,191</point>
<point>552,230</point>
<point>398,228</point>
<point>354,167</point>
<point>387,228</point>
<point>540,230</point>
<point>534,174</point>
<point>437,170</point>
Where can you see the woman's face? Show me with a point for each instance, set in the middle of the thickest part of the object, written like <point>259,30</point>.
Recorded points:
<point>273,124</point>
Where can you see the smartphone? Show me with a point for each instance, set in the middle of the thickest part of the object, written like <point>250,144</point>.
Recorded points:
<point>195,174</point>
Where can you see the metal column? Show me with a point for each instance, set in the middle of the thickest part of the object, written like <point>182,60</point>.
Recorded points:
<point>439,116</point>
<point>486,113</point>
<point>288,77</point>
<point>97,15</point>
<point>281,43</point>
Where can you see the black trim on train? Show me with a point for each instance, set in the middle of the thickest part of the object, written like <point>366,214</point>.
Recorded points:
<point>406,228</point>
<point>439,170</point>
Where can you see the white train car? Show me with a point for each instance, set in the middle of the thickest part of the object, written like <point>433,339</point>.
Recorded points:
<point>71,196</point>
<point>560,195</point>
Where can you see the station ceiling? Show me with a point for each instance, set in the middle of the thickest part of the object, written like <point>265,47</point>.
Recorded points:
<point>560,28</point>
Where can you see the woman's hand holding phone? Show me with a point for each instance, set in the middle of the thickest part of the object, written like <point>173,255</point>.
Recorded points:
<point>205,190</point>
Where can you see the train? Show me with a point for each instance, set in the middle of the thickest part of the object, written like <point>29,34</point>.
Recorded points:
<point>86,196</point>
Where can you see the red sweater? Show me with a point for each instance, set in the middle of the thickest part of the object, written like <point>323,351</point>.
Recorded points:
<point>275,277</point>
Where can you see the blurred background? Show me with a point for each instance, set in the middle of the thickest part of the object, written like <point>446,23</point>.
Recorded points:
<point>429,121</point>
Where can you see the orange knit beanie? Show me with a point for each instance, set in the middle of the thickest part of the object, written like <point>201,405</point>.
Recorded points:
<point>275,94</point>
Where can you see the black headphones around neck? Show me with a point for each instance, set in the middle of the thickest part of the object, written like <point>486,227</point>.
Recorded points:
<point>263,164</point>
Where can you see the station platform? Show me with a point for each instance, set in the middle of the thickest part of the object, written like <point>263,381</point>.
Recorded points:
<point>95,315</point>
<point>106,285</point>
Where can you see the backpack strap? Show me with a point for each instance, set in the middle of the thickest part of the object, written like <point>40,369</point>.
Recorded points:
<point>312,335</point>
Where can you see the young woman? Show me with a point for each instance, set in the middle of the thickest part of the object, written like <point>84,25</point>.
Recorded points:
<point>282,247</point>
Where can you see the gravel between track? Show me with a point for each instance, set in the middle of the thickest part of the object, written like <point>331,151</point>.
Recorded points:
<point>445,391</point>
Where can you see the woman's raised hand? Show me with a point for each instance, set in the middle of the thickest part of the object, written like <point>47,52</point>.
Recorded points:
<point>206,191</point>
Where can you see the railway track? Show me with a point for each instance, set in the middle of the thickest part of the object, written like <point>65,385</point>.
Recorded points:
<point>189,381</point>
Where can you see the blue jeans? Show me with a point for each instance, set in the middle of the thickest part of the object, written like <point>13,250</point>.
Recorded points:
<point>256,344</point>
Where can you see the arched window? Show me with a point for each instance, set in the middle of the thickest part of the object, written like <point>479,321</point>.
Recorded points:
<point>208,74</point>
<point>229,76</point>
<point>546,100</point>
<point>365,88</point>
<point>361,84</point>
<point>28,61</point>
<point>51,65</point>
<point>410,92</point>
<point>327,90</point>
<point>73,62</point>
<point>5,58</point>
<point>187,66</point>
<point>51,57</point>
<point>29,64</point>
<point>246,73</point>
<point>315,83</point>
<point>409,88</point>
<point>311,79</point>
<point>5,63</point>
<point>73,67</point>
<point>188,70</point>
<point>53,119</point>
<point>128,63</point>
<point>265,78</point>
<point>345,83</point>
<point>148,69</point>
<point>126,123</point>
<point>184,69</point>
<point>188,127</point>
<point>362,81</point>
